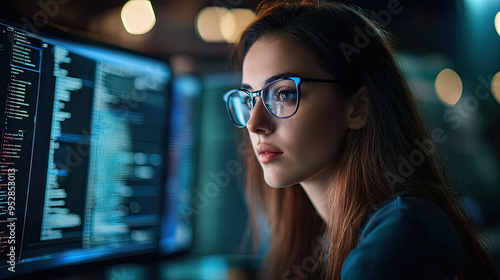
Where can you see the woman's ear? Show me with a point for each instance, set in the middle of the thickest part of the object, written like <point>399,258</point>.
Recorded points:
<point>357,109</point>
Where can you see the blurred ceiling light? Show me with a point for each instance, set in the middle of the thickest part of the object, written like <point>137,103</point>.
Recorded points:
<point>228,26</point>
<point>138,16</point>
<point>495,86</point>
<point>448,86</point>
<point>497,23</point>
<point>233,22</point>
<point>208,24</point>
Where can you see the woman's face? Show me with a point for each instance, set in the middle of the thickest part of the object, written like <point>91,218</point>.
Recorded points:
<point>305,147</point>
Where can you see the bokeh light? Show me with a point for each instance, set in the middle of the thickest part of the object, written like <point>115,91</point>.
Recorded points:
<point>218,24</point>
<point>497,23</point>
<point>448,86</point>
<point>138,16</point>
<point>208,24</point>
<point>495,87</point>
<point>233,22</point>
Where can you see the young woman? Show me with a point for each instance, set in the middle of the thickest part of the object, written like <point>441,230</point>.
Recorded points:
<point>340,161</point>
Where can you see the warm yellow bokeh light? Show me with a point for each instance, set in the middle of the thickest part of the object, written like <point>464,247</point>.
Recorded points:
<point>138,16</point>
<point>234,22</point>
<point>495,86</point>
<point>448,86</point>
<point>228,26</point>
<point>497,23</point>
<point>208,24</point>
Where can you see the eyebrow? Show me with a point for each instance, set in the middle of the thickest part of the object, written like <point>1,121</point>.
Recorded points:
<point>272,78</point>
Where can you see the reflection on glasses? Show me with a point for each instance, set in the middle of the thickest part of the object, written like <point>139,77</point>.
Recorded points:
<point>280,98</point>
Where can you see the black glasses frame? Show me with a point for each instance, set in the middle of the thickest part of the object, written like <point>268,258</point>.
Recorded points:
<point>258,93</point>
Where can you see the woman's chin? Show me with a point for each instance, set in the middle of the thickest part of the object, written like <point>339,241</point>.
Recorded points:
<point>276,183</point>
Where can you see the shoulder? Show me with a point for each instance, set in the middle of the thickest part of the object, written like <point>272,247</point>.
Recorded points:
<point>407,212</point>
<point>407,237</point>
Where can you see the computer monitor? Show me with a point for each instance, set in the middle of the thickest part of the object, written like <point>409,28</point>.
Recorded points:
<point>179,210</point>
<point>83,148</point>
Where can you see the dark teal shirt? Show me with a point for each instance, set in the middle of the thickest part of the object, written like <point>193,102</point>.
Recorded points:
<point>407,237</point>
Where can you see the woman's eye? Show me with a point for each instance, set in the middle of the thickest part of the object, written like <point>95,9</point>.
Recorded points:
<point>285,95</point>
<point>245,101</point>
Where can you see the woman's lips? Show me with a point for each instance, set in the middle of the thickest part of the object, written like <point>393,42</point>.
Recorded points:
<point>267,157</point>
<point>267,153</point>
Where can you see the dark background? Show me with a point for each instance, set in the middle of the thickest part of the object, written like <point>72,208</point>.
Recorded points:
<point>429,36</point>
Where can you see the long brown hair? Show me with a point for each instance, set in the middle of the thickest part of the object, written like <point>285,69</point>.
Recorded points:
<point>350,45</point>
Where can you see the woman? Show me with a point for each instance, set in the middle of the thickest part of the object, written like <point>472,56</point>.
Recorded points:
<point>340,161</point>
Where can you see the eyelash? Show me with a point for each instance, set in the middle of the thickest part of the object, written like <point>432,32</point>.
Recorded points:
<point>283,90</point>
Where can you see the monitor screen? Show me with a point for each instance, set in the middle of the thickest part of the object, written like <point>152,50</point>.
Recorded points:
<point>179,211</point>
<point>83,147</point>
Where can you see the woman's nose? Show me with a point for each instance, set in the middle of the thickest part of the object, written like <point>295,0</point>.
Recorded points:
<point>261,121</point>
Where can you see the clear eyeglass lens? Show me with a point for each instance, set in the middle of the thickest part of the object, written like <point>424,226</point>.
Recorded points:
<point>240,107</point>
<point>280,98</point>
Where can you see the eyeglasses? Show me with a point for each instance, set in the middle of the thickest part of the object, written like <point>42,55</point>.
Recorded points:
<point>280,97</point>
